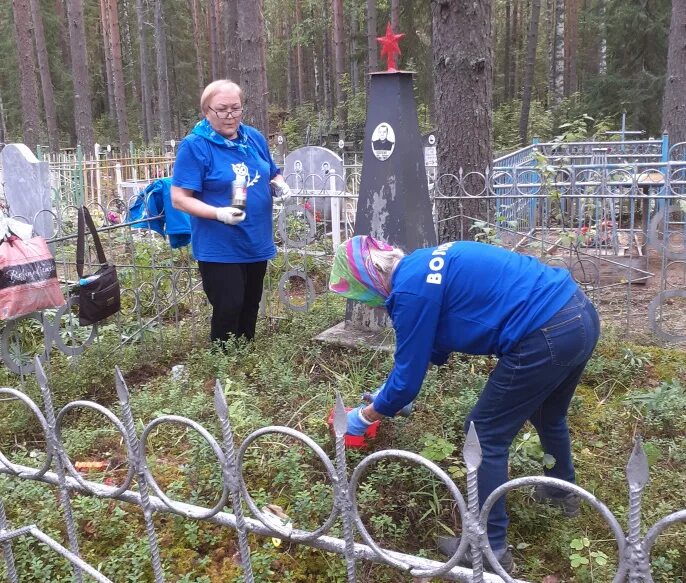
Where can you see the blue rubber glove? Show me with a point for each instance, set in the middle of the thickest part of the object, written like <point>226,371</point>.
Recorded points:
<point>406,411</point>
<point>357,425</point>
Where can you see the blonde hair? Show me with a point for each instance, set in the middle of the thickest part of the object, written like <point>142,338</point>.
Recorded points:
<point>386,262</point>
<point>215,87</point>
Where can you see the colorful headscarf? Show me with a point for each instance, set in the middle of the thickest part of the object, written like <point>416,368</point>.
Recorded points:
<point>354,275</point>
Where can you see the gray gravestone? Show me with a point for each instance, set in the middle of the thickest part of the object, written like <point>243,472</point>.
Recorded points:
<point>312,172</point>
<point>27,188</point>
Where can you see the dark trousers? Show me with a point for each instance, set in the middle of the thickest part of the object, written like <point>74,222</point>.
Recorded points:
<point>234,290</point>
<point>534,381</point>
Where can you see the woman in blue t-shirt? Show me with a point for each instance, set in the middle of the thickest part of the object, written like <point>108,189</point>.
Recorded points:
<point>232,245</point>
<point>479,299</point>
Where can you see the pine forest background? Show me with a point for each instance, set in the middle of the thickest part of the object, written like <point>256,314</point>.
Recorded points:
<point>121,71</point>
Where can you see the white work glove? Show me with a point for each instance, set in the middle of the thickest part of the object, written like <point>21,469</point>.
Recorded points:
<point>282,192</point>
<point>230,215</point>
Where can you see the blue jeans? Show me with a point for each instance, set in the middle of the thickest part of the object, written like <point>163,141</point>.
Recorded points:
<point>535,382</point>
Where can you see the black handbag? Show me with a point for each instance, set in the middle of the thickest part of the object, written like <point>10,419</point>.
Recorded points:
<point>99,295</point>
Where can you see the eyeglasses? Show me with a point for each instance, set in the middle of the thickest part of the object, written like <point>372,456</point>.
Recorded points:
<point>227,113</point>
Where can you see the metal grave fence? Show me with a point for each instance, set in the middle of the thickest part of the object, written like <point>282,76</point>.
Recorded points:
<point>619,228</point>
<point>58,470</point>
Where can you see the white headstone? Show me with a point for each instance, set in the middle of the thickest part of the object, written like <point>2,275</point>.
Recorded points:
<point>27,188</point>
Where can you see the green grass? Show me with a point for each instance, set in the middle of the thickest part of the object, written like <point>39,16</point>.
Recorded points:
<point>286,378</point>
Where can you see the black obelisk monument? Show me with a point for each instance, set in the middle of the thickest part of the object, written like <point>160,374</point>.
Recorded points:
<point>393,202</point>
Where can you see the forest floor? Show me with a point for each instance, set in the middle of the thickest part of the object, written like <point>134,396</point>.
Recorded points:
<point>285,378</point>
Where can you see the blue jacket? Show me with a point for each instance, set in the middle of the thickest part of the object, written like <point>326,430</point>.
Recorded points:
<point>467,297</point>
<point>156,200</point>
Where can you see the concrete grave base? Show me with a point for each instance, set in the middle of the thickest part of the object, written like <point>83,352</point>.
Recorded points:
<point>351,336</point>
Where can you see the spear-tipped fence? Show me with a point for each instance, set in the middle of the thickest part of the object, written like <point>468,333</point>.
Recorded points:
<point>633,551</point>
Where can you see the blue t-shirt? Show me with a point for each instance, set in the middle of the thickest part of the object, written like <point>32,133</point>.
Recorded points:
<point>467,297</point>
<point>208,168</point>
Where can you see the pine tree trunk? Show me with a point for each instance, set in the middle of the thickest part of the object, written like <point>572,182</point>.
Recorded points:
<point>118,74</point>
<point>127,49</point>
<point>61,15</point>
<point>299,65</point>
<point>602,46</point>
<point>507,65</point>
<point>532,43</point>
<point>354,68</point>
<point>327,73</point>
<point>463,87</point>
<point>27,73</point>
<point>395,15</point>
<point>674,101</point>
<point>107,55</point>
<point>291,97</point>
<point>372,46</point>
<point>339,55</point>
<point>3,122</point>
<point>146,92</point>
<point>164,110</point>
<point>557,68</point>
<point>252,63</point>
<point>230,20</point>
<point>214,46</point>
<point>571,47</point>
<point>197,45</point>
<point>45,77</point>
<point>83,115</point>
<point>514,77</point>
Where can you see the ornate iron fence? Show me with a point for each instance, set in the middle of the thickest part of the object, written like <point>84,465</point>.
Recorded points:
<point>57,469</point>
<point>620,229</point>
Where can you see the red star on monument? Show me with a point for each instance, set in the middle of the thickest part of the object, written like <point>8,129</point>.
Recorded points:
<point>389,47</point>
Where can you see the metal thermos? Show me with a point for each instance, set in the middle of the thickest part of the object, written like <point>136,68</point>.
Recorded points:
<point>239,193</point>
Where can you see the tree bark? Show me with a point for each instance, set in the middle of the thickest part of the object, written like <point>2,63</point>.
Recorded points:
<point>215,64</point>
<point>514,77</point>
<point>339,55</point>
<point>372,46</point>
<point>83,114</point>
<point>146,92</point>
<point>27,72</point>
<point>164,110</point>
<point>3,122</point>
<point>507,64</point>
<point>127,51</point>
<point>231,50</point>
<point>571,46</point>
<point>602,48</point>
<point>532,44</point>
<point>107,54</point>
<point>45,77</point>
<point>61,15</point>
<point>463,88</point>
<point>674,101</point>
<point>395,15</point>
<point>117,74</point>
<point>354,65</point>
<point>299,65</point>
<point>230,20</point>
<point>252,62</point>
<point>197,45</point>
<point>557,68</point>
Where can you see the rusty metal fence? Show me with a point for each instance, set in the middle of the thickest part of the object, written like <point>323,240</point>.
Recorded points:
<point>57,469</point>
